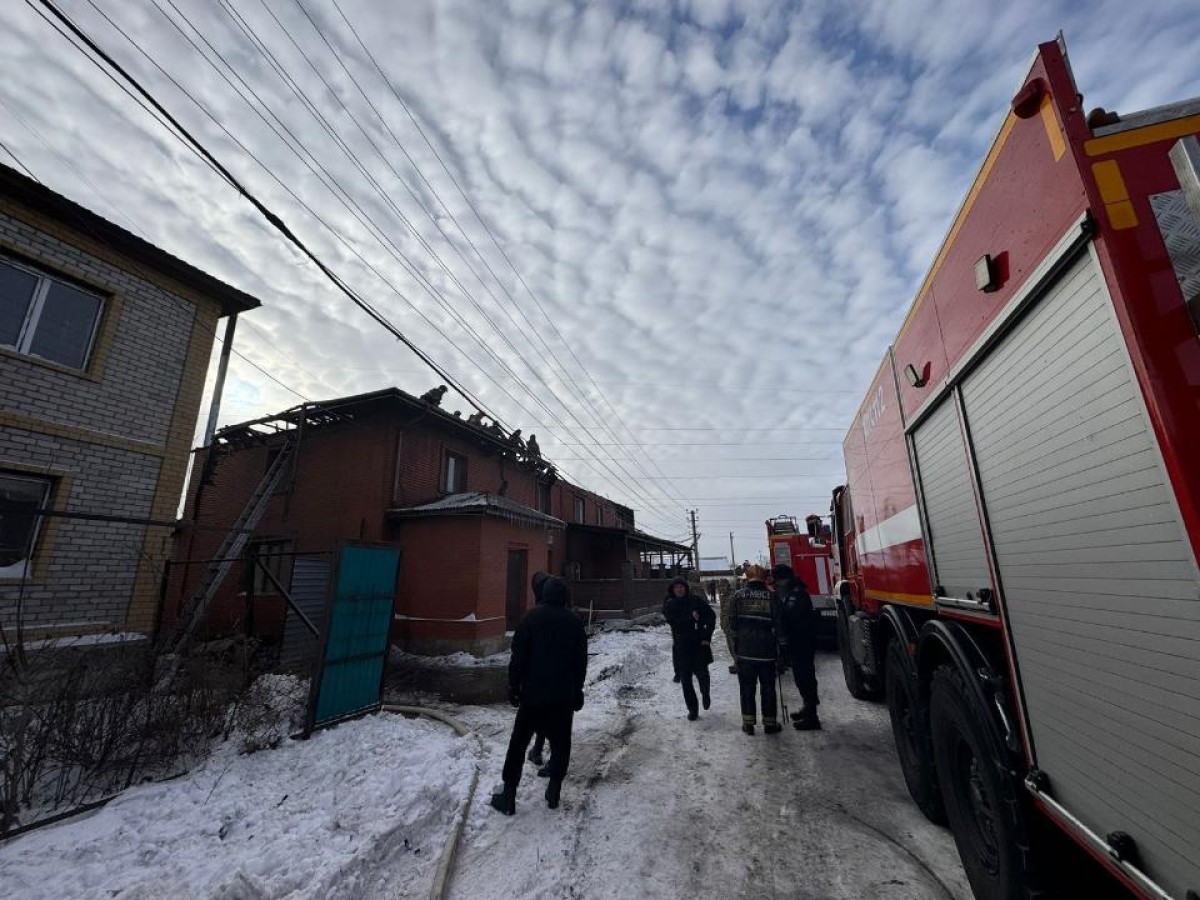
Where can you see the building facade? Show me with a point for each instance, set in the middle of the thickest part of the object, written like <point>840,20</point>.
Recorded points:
<point>104,346</point>
<point>474,516</point>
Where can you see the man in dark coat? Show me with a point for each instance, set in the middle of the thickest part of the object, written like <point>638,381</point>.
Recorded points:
<point>545,683</point>
<point>800,630</point>
<point>692,622</point>
<point>754,630</point>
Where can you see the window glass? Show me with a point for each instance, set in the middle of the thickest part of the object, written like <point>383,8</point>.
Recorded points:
<point>65,325</point>
<point>579,509</point>
<point>19,496</point>
<point>16,293</point>
<point>456,474</point>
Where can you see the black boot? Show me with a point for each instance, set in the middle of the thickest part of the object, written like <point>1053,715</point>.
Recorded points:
<point>553,789</point>
<point>748,728</point>
<point>535,757</point>
<point>733,669</point>
<point>677,678</point>
<point>705,701</point>
<point>772,728</point>
<point>808,723</point>
<point>544,771</point>
<point>801,713</point>
<point>505,801</point>
<point>693,715</point>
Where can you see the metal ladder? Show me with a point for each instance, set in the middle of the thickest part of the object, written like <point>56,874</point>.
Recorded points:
<point>230,550</point>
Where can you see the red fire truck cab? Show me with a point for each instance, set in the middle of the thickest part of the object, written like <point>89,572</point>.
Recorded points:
<point>1020,526</point>
<point>810,555</point>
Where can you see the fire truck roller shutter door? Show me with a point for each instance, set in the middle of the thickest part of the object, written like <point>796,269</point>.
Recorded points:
<point>1101,589</point>
<point>955,536</point>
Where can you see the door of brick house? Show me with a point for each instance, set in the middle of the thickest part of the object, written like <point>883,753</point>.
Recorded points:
<point>518,571</point>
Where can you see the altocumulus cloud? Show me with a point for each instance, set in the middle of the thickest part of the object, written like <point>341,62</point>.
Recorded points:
<point>723,206</point>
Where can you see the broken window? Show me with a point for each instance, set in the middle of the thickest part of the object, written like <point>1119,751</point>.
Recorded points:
<point>21,496</point>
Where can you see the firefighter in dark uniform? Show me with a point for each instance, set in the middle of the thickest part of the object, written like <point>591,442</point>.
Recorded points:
<point>800,631</point>
<point>754,627</point>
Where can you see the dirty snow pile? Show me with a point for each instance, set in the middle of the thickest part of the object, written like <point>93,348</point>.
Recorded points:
<point>354,811</point>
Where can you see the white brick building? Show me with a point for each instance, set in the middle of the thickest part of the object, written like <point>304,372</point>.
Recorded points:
<point>104,346</point>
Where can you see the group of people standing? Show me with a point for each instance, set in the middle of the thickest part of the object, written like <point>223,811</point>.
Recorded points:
<point>766,626</point>
<point>763,625</point>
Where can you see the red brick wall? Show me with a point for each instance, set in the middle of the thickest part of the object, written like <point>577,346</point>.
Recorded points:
<point>347,477</point>
<point>453,567</point>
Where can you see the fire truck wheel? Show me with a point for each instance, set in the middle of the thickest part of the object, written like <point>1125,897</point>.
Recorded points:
<point>856,683</point>
<point>980,793</point>
<point>910,729</point>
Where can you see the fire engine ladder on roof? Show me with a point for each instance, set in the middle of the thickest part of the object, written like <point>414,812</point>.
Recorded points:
<point>231,549</point>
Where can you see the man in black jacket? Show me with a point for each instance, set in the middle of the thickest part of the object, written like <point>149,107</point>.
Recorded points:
<point>692,622</point>
<point>754,629</point>
<point>545,683</point>
<point>800,629</point>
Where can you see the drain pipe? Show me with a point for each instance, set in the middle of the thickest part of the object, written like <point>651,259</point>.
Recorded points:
<point>441,880</point>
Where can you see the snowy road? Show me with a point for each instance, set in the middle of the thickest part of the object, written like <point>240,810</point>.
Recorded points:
<point>656,806</point>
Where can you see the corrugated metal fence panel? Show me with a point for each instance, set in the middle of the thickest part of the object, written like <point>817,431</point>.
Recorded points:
<point>1101,590</point>
<point>361,620</point>
<point>310,591</point>
<point>955,538</point>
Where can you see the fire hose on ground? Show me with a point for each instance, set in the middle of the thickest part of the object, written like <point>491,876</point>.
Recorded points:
<point>441,880</point>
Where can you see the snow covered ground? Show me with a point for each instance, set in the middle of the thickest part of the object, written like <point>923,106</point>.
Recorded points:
<point>654,806</point>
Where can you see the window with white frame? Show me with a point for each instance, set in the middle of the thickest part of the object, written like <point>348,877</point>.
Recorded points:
<point>579,510</point>
<point>21,496</point>
<point>454,480</point>
<point>47,318</point>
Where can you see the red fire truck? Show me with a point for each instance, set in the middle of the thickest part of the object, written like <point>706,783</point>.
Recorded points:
<point>1020,526</point>
<point>810,555</point>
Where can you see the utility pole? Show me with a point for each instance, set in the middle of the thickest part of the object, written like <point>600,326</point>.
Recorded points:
<point>695,543</point>
<point>732,557</point>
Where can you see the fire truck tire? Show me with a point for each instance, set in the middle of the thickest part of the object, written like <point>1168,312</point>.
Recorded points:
<point>859,686</point>
<point>980,794</point>
<point>910,730</point>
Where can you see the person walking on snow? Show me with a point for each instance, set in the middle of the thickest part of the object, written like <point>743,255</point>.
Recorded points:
<point>754,630</point>
<point>545,683</point>
<point>800,630</point>
<point>692,622</point>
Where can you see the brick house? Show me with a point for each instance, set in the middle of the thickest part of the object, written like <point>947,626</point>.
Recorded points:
<point>104,347</point>
<point>473,520</point>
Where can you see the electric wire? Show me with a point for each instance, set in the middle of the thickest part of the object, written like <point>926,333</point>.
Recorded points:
<point>491,235</point>
<point>417,200</point>
<point>271,217</point>
<point>633,491</point>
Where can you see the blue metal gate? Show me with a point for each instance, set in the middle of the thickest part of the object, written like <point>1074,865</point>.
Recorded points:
<point>349,679</point>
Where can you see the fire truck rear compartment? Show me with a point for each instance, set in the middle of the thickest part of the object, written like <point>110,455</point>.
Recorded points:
<point>1097,577</point>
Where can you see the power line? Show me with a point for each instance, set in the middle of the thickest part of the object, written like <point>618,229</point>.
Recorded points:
<point>266,213</point>
<point>416,199</point>
<point>343,196</point>
<point>479,218</point>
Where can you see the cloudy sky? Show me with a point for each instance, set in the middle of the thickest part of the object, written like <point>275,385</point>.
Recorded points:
<point>673,239</point>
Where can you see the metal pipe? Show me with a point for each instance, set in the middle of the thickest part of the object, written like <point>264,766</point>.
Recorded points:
<point>214,409</point>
